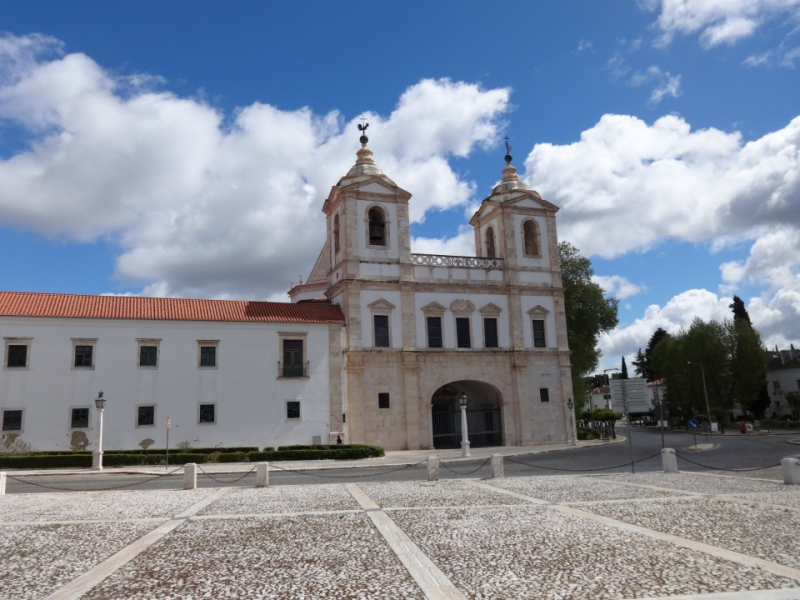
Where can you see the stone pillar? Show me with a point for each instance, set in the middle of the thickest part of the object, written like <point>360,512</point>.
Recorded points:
<point>262,474</point>
<point>433,468</point>
<point>497,466</point>
<point>669,461</point>
<point>190,476</point>
<point>2,484</point>
<point>791,471</point>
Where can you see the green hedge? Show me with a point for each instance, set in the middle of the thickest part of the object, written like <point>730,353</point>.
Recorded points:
<point>778,424</point>
<point>122,458</point>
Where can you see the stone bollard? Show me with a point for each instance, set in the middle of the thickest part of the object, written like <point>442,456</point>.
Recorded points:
<point>2,484</point>
<point>497,466</point>
<point>669,461</point>
<point>791,471</point>
<point>262,475</point>
<point>190,476</point>
<point>433,468</point>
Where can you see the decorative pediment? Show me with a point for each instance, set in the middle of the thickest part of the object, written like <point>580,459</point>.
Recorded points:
<point>377,184</point>
<point>538,311</point>
<point>530,199</point>
<point>462,306</point>
<point>434,308</point>
<point>381,305</point>
<point>491,310</point>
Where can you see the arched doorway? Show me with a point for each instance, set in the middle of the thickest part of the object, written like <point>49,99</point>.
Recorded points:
<point>483,415</point>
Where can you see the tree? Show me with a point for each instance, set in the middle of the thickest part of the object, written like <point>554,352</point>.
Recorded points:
<point>650,372</point>
<point>623,370</point>
<point>739,311</point>
<point>640,364</point>
<point>589,313</point>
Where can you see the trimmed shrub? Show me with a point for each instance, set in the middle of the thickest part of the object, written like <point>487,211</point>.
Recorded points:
<point>52,461</point>
<point>337,452</point>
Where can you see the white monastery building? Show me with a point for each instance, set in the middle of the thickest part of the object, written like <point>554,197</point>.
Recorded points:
<point>374,348</point>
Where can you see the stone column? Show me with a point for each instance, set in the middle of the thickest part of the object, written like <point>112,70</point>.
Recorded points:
<point>497,466</point>
<point>190,476</point>
<point>669,461</point>
<point>791,471</point>
<point>433,468</point>
<point>262,475</point>
<point>2,484</point>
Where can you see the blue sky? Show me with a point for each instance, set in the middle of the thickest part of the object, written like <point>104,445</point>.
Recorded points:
<point>185,148</point>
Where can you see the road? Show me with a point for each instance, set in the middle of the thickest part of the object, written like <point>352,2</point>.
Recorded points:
<point>729,452</point>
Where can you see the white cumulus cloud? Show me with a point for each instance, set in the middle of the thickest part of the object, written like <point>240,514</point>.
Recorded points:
<point>204,203</point>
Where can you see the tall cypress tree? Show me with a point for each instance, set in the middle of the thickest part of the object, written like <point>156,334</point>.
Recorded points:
<point>624,369</point>
<point>739,311</point>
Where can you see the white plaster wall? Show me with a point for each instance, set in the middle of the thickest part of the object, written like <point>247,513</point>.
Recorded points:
<point>527,303</point>
<point>535,277</point>
<point>367,297</point>
<point>392,250</point>
<point>250,398</point>
<point>368,270</point>
<point>422,299</point>
<point>790,382</point>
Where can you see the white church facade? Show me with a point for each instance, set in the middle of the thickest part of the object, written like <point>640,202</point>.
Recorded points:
<point>374,348</point>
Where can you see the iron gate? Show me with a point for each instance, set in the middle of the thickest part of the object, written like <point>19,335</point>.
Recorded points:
<point>483,427</point>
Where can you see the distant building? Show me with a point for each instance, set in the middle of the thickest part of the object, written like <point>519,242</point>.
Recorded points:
<point>783,375</point>
<point>376,346</point>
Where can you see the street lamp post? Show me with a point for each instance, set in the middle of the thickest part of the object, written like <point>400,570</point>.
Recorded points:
<point>462,402</point>
<point>97,455</point>
<point>574,426</point>
<point>705,392</point>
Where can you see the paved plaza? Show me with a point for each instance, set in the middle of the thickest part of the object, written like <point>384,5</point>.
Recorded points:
<point>650,535</point>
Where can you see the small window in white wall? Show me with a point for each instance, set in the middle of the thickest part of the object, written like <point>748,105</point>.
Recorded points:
<point>434,334</point>
<point>12,420</point>
<point>544,394</point>
<point>83,353</point>
<point>17,354</point>
<point>539,340</point>
<point>148,353</point>
<point>207,414</point>
<point>293,409</point>
<point>383,400</point>
<point>79,418</point>
<point>146,415</point>
<point>463,333</point>
<point>381,323</point>
<point>538,316</point>
<point>207,354</point>
<point>490,332</point>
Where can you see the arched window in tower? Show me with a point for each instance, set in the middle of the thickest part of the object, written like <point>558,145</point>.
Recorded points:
<point>336,234</point>
<point>530,234</point>
<point>490,253</point>
<point>377,227</point>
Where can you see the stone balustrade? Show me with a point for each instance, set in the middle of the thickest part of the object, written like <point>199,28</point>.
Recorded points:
<point>467,262</point>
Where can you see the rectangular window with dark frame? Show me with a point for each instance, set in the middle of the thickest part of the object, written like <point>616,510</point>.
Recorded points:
<point>383,400</point>
<point>84,356</point>
<point>80,418</point>
<point>17,355</point>
<point>148,356</point>
<point>544,394</point>
<point>490,333</point>
<point>380,324</point>
<point>208,356</point>
<point>538,333</point>
<point>463,338</point>
<point>146,415</point>
<point>434,332</point>
<point>208,413</point>
<point>12,420</point>
<point>293,409</point>
<point>293,364</point>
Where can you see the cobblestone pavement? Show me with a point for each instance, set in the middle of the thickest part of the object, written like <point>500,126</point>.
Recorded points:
<point>650,535</point>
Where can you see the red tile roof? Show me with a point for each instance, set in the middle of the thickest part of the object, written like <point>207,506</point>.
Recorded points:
<point>26,304</point>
